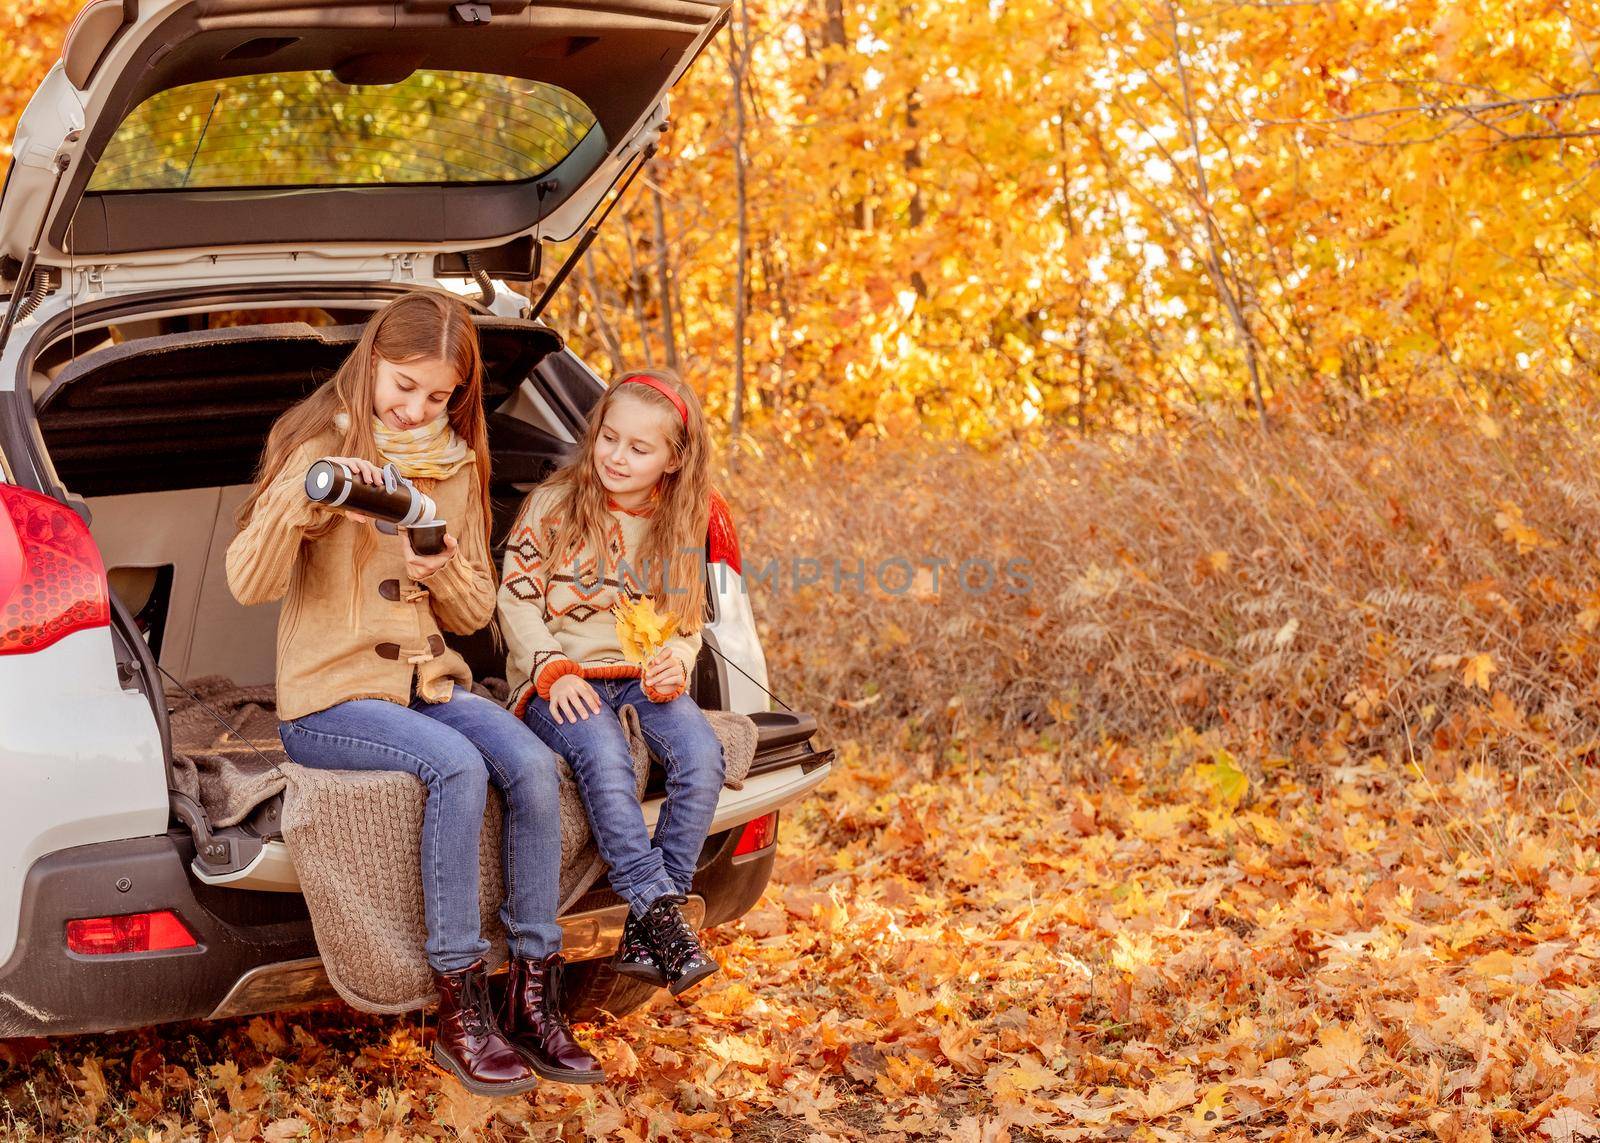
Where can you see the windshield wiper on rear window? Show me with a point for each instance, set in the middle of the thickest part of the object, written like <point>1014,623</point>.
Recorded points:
<point>204,127</point>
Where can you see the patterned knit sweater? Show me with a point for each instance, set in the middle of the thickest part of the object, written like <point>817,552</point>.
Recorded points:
<point>572,629</point>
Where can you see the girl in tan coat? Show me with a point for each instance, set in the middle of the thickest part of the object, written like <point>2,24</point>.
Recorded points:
<point>365,680</point>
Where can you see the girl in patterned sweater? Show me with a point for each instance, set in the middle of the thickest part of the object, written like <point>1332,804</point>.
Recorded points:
<point>638,493</point>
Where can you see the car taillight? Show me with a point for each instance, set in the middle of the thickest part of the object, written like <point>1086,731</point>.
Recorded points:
<point>757,835</point>
<point>128,933</point>
<point>52,580</point>
<point>722,542</point>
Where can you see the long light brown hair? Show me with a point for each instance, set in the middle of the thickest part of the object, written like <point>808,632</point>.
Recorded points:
<point>412,327</point>
<point>675,538</point>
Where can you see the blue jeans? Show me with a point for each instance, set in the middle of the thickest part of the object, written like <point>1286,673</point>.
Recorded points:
<point>457,748</point>
<point>596,748</point>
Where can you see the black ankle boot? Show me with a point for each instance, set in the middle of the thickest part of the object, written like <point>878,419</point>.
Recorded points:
<point>662,949</point>
<point>634,958</point>
<point>532,1020</point>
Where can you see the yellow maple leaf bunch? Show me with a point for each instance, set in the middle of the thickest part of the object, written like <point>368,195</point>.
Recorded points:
<point>641,629</point>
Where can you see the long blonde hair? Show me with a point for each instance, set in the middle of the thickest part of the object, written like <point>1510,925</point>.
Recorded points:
<point>675,537</point>
<point>413,326</point>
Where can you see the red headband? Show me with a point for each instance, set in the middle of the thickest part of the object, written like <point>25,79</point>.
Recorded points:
<point>662,387</point>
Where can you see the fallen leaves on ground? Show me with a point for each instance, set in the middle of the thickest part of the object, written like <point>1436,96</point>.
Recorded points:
<point>1011,952</point>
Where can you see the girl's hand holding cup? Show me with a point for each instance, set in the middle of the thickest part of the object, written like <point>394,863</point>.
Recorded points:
<point>420,567</point>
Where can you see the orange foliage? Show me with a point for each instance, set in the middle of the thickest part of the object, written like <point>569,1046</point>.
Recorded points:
<point>974,219</point>
<point>971,219</point>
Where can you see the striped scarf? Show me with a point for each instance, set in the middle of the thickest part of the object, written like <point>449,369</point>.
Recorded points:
<point>434,450</point>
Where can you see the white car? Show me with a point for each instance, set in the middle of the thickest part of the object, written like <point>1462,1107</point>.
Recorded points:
<point>206,199</point>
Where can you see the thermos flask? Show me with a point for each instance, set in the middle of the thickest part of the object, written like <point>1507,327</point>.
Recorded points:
<point>396,505</point>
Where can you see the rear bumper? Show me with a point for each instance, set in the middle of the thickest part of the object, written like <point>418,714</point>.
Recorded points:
<point>259,954</point>
<point>589,933</point>
<point>45,989</point>
<point>256,951</point>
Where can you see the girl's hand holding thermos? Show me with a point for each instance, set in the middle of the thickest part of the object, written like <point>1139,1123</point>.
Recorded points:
<point>364,471</point>
<point>372,495</point>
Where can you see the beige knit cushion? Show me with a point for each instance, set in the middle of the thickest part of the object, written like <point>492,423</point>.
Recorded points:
<point>356,840</point>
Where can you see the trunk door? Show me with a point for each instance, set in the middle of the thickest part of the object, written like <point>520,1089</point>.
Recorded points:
<point>356,131</point>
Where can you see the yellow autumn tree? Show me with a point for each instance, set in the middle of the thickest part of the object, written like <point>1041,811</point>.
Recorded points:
<point>976,219</point>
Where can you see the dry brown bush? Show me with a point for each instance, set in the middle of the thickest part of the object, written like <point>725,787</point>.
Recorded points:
<point>1286,592</point>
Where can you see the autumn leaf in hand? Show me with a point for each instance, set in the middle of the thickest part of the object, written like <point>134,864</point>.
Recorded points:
<point>641,629</point>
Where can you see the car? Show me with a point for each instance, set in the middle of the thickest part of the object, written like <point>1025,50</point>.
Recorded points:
<point>206,200</point>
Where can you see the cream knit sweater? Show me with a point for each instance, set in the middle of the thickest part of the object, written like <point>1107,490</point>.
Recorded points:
<point>572,630</point>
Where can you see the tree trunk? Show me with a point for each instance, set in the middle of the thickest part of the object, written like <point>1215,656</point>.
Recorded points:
<point>1081,341</point>
<point>833,30</point>
<point>913,163</point>
<point>669,338</point>
<point>776,281</point>
<point>1214,246</point>
<point>836,34</point>
<point>679,309</point>
<point>597,308</point>
<point>737,63</point>
<point>638,287</point>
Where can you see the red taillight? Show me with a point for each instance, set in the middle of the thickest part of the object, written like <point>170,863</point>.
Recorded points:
<point>757,835</point>
<point>52,581</point>
<point>722,543</point>
<point>129,933</point>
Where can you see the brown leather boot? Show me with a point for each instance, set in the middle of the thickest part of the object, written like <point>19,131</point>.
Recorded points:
<point>469,1044</point>
<point>531,1019</point>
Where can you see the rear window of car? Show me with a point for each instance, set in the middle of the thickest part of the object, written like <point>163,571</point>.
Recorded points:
<point>308,129</point>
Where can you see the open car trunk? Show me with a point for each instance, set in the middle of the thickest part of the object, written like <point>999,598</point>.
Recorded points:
<point>192,409</point>
<point>160,436</point>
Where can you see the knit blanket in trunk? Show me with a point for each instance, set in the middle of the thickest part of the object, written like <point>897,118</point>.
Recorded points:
<point>355,836</point>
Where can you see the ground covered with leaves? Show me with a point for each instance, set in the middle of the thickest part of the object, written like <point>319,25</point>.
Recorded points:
<point>1019,945</point>
<point>1265,813</point>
